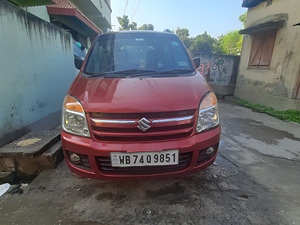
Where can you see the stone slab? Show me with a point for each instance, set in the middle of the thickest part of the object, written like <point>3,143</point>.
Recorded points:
<point>24,165</point>
<point>32,144</point>
<point>54,155</point>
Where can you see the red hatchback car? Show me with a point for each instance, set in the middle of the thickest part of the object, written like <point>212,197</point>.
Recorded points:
<point>138,108</point>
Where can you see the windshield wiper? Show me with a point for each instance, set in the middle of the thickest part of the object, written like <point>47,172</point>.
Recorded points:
<point>136,72</point>
<point>177,71</point>
<point>131,73</point>
<point>105,74</point>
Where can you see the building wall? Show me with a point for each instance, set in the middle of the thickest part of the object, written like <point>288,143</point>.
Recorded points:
<point>98,11</point>
<point>276,86</point>
<point>37,68</point>
<point>39,11</point>
<point>106,10</point>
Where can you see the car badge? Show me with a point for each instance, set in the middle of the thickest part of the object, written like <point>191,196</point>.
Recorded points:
<point>144,124</point>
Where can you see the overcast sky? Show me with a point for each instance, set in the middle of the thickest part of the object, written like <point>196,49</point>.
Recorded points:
<point>214,16</point>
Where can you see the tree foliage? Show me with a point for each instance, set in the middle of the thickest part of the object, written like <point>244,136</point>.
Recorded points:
<point>169,31</point>
<point>133,26</point>
<point>125,25</point>
<point>204,43</point>
<point>231,43</point>
<point>183,34</point>
<point>124,22</point>
<point>146,27</point>
<point>242,18</point>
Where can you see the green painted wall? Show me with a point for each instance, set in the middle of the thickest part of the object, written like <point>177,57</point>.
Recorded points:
<point>36,68</point>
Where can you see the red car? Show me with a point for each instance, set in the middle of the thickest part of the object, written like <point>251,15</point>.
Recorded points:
<point>138,109</point>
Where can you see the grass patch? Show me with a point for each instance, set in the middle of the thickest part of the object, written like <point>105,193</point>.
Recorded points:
<point>287,115</point>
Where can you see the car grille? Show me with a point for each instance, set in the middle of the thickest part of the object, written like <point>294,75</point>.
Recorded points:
<point>125,126</point>
<point>104,165</point>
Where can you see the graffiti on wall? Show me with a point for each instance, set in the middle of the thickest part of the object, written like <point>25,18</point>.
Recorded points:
<point>221,67</point>
<point>216,69</point>
<point>204,68</point>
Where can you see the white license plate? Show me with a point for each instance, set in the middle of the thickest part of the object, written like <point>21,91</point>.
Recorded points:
<point>161,158</point>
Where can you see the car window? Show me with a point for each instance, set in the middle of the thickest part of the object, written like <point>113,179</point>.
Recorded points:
<point>137,51</point>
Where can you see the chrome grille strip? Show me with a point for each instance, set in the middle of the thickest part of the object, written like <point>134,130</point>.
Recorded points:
<point>101,121</point>
<point>172,120</point>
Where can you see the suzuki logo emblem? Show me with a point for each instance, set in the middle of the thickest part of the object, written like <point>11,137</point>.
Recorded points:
<point>144,124</point>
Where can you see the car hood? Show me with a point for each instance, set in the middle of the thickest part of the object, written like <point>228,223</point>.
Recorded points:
<point>128,95</point>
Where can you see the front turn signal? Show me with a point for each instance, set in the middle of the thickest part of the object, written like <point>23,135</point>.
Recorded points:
<point>72,104</point>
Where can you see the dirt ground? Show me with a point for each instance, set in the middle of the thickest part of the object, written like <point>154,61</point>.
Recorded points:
<point>256,180</point>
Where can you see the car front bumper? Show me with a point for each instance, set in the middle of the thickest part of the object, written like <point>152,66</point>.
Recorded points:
<point>95,154</point>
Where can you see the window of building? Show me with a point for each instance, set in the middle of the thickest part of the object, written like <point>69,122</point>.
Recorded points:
<point>262,49</point>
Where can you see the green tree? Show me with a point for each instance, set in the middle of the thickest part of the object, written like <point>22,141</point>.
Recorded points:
<point>169,31</point>
<point>242,18</point>
<point>217,48</point>
<point>183,34</point>
<point>133,26</point>
<point>204,43</point>
<point>125,25</point>
<point>231,43</point>
<point>146,27</point>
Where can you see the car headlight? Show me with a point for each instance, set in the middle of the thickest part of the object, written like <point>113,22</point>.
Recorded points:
<point>73,117</point>
<point>208,116</point>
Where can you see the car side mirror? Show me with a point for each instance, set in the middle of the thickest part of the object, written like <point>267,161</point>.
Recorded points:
<point>78,62</point>
<point>196,62</point>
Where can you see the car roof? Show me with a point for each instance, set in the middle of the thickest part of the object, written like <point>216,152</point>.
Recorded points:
<point>139,32</point>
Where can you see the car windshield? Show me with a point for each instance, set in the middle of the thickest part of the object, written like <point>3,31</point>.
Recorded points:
<point>138,52</point>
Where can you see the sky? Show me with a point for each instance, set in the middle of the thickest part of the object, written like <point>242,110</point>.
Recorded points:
<point>217,17</point>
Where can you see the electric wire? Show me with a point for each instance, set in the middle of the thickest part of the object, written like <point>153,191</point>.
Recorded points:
<point>136,10</point>
<point>125,7</point>
<point>132,11</point>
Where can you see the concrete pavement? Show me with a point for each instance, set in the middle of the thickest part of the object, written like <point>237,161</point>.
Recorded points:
<point>268,150</point>
<point>256,181</point>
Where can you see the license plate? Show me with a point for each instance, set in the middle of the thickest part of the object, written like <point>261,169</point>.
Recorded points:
<point>161,158</point>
